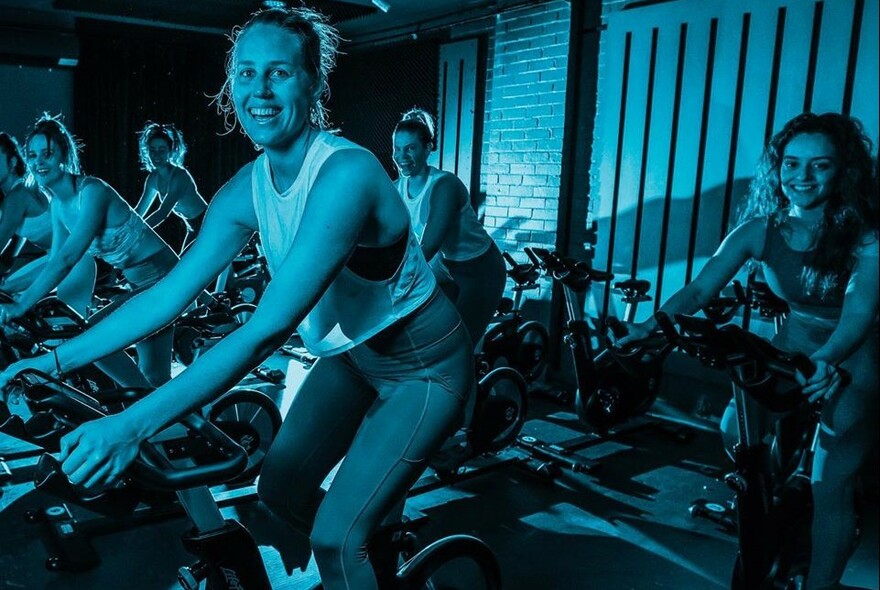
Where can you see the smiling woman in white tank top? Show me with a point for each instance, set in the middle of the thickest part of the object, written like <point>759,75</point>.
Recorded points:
<point>452,238</point>
<point>348,274</point>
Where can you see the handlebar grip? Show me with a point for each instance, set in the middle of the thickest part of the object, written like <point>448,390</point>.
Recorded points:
<point>510,260</point>
<point>667,326</point>
<point>530,252</point>
<point>152,468</point>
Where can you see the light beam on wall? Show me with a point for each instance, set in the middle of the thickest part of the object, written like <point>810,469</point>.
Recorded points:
<point>381,5</point>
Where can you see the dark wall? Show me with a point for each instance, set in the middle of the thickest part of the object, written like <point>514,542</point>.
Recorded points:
<point>372,88</point>
<point>128,75</point>
<point>27,91</point>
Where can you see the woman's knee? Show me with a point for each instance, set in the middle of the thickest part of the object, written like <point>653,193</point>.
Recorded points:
<point>336,542</point>
<point>288,502</point>
<point>272,496</point>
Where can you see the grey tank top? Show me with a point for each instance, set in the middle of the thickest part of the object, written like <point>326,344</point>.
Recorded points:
<point>116,245</point>
<point>783,267</point>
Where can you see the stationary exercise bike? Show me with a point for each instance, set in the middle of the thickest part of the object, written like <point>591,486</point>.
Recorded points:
<point>203,326</point>
<point>245,279</point>
<point>46,325</point>
<point>511,340</point>
<point>615,385</point>
<point>774,510</point>
<point>247,415</point>
<point>184,459</point>
<point>199,328</point>
<point>498,414</point>
<point>419,570</point>
<point>201,454</point>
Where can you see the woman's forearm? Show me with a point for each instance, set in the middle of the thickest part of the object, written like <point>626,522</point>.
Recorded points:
<point>211,375</point>
<point>162,212</point>
<point>144,314</point>
<point>686,301</point>
<point>56,268</point>
<point>845,340</point>
<point>18,283</point>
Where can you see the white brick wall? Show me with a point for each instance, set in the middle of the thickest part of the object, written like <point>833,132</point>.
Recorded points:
<point>523,129</point>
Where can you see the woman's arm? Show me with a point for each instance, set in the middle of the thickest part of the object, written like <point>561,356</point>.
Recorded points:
<point>859,315</point>
<point>446,199</point>
<point>858,319</point>
<point>224,234</point>
<point>185,185</point>
<point>148,195</point>
<point>12,212</point>
<point>350,183</point>
<point>743,243</point>
<point>181,185</point>
<point>68,249</point>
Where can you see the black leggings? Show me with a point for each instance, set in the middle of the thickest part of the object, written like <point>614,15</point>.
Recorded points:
<point>480,286</point>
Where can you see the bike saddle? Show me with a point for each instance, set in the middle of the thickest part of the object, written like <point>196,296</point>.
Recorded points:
<point>521,274</point>
<point>635,289</point>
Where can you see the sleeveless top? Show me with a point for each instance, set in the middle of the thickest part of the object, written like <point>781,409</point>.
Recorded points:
<point>812,318</point>
<point>36,229</point>
<point>467,241</point>
<point>179,208</point>
<point>118,244</point>
<point>783,266</point>
<point>352,309</point>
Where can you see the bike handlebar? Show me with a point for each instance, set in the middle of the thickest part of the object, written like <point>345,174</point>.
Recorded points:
<point>576,274</point>
<point>151,468</point>
<point>751,361</point>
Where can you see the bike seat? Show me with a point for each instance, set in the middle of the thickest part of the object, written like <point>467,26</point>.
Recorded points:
<point>634,289</point>
<point>505,305</point>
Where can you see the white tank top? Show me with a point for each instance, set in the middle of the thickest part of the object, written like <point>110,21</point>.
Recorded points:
<point>352,309</point>
<point>466,240</point>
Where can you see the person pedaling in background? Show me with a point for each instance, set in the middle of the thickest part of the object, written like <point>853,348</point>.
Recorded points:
<point>466,261</point>
<point>89,218</point>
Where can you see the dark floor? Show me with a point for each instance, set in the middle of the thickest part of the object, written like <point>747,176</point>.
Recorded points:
<point>626,526</point>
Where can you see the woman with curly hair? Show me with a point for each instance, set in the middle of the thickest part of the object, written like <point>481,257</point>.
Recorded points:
<point>161,150</point>
<point>811,221</point>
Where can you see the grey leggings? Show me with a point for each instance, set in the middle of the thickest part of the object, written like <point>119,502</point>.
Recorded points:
<point>386,406</point>
<point>480,283</point>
